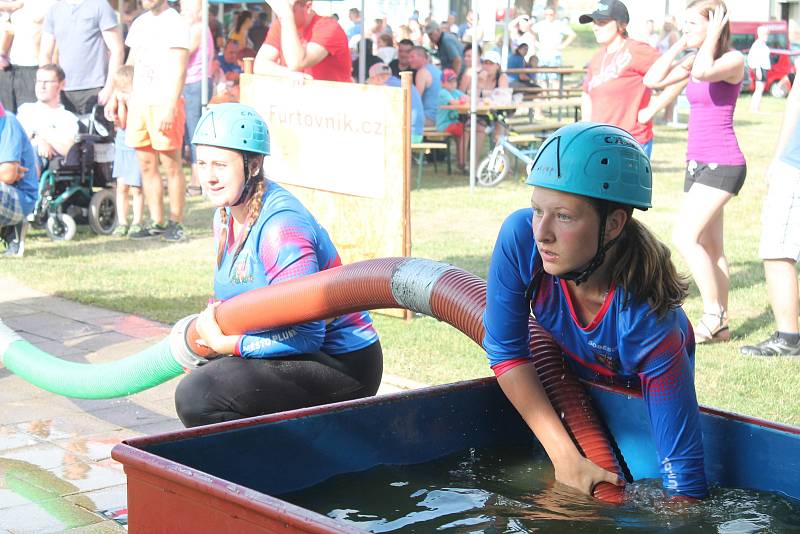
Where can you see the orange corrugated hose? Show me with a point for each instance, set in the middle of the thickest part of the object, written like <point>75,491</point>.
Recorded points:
<point>436,289</point>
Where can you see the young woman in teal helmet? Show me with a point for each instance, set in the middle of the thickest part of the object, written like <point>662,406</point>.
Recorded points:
<point>265,236</point>
<point>605,288</point>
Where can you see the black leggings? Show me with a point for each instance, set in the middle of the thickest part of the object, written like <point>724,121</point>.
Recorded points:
<point>229,388</point>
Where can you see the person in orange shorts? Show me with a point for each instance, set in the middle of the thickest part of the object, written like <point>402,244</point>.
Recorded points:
<point>159,43</point>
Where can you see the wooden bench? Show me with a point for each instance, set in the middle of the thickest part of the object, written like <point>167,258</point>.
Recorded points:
<point>539,105</point>
<point>525,139</point>
<point>421,150</point>
<point>431,135</point>
<point>520,118</point>
<point>539,127</point>
<point>530,93</point>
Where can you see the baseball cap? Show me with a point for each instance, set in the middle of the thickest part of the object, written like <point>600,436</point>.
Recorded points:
<point>607,10</point>
<point>449,74</point>
<point>492,56</point>
<point>379,68</point>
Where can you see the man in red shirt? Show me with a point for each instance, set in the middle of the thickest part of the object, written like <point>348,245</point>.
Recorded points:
<point>299,40</point>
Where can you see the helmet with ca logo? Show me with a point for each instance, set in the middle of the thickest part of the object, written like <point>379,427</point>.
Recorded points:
<point>595,160</point>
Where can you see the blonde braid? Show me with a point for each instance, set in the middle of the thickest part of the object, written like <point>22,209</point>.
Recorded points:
<point>254,210</point>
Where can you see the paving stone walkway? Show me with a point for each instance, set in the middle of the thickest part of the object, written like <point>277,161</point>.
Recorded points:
<point>56,471</point>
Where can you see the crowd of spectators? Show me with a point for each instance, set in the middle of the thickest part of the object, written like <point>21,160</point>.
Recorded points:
<point>63,60</point>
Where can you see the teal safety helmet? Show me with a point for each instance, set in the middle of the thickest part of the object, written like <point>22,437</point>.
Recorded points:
<point>599,161</point>
<point>234,126</point>
<point>595,160</point>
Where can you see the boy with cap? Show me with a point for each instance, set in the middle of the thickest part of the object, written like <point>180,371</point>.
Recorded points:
<point>613,90</point>
<point>447,119</point>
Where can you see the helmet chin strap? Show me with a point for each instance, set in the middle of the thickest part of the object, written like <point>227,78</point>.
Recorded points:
<point>249,183</point>
<point>581,276</point>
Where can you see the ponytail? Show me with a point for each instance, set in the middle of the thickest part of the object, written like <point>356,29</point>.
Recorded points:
<point>643,268</point>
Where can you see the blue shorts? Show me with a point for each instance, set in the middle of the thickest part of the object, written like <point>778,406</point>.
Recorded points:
<point>126,165</point>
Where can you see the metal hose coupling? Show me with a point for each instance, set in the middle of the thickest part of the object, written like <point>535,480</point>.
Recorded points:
<point>179,345</point>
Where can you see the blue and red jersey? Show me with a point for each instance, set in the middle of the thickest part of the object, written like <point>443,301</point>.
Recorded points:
<point>285,243</point>
<point>626,343</point>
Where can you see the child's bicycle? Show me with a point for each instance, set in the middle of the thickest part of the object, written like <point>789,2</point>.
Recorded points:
<point>494,167</point>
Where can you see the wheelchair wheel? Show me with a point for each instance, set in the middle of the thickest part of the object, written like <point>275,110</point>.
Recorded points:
<point>61,227</point>
<point>492,170</point>
<point>103,212</point>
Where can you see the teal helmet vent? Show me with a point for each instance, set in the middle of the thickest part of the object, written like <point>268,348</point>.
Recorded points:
<point>234,126</point>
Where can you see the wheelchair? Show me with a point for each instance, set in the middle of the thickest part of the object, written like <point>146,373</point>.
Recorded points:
<point>79,188</point>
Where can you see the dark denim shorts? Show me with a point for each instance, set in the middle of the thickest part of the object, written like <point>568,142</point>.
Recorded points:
<point>729,178</point>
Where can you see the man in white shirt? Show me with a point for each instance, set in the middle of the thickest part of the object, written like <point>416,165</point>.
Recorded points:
<point>50,127</point>
<point>552,37</point>
<point>159,43</point>
<point>758,59</point>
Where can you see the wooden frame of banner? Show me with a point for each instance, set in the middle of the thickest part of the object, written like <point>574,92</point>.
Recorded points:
<point>350,165</point>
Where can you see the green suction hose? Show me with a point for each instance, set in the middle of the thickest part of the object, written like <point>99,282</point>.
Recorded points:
<point>146,369</point>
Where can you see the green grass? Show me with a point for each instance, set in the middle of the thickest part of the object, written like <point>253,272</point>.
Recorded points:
<point>453,224</point>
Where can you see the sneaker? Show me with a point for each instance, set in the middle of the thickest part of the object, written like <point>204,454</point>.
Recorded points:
<point>145,232</point>
<point>14,238</point>
<point>120,231</point>
<point>173,232</point>
<point>157,229</point>
<point>773,346</point>
<point>14,249</point>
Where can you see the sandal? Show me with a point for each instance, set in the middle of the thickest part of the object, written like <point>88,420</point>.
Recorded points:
<point>712,328</point>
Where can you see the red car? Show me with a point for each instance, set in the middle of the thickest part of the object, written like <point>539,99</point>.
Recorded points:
<point>781,75</point>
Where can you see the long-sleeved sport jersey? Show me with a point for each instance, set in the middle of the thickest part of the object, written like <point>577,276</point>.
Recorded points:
<point>285,243</point>
<point>626,343</point>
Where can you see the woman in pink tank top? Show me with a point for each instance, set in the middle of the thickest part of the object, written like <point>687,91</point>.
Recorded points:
<point>716,168</point>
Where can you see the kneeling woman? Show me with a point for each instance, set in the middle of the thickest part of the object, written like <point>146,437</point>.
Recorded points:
<point>266,236</point>
<point>605,288</point>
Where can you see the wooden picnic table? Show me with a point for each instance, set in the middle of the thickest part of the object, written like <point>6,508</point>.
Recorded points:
<point>537,104</point>
<point>480,109</point>
<point>561,71</point>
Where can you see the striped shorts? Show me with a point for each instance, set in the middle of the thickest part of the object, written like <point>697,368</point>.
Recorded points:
<point>10,206</point>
